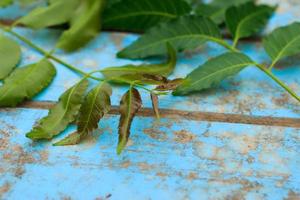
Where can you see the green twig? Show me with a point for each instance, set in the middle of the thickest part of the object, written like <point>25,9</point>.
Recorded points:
<point>268,72</point>
<point>279,82</point>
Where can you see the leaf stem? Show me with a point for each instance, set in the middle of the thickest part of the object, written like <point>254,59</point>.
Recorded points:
<point>279,82</point>
<point>69,66</point>
<point>268,72</point>
<point>235,42</point>
<point>42,51</point>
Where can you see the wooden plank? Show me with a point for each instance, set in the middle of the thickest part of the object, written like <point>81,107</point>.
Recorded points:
<point>170,159</point>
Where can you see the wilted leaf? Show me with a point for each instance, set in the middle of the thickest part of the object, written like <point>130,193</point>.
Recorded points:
<point>85,25</point>
<point>211,73</point>
<point>184,33</point>
<point>25,82</point>
<point>154,99</point>
<point>94,107</point>
<point>58,12</point>
<point>130,104</point>
<point>63,113</point>
<point>128,15</point>
<point>247,19</point>
<point>283,42</point>
<point>169,85</point>
<point>10,55</point>
<point>140,72</point>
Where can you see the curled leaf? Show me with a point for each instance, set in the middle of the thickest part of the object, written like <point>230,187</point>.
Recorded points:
<point>169,85</point>
<point>10,55</point>
<point>141,72</point>
<point>61,115</point>
<point>94,107</point>
<point>130,104</point>
<point>25,82</point>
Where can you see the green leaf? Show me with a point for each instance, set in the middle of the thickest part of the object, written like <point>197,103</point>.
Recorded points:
<point>213,12</point>
<point>133,72</point>
<point>283,42</point>
<point>61,115</point>
<point>130,104</point>
<point>58,12</point>
<point>4,3</point>
<point>25,82</point>
<point>217,8</point>
<point>142,14</point>
<point>10,55</point>
<point>184,33</point>
<point>211,73</point>
<point>247,19</point>
<point>85,25</point>
<point>94,107</point>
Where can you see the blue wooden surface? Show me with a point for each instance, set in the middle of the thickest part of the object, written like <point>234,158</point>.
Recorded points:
<point>171,159</point>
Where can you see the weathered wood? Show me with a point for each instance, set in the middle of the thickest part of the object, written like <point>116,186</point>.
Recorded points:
<point>239,141</point>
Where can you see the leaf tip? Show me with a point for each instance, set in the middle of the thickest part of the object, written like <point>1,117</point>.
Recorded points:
<point>37,135</point>
<point>121,147</point>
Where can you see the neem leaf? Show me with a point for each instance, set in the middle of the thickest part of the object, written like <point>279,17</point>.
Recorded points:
<point>247,19</point>
<point>130,104</point>
<point>283,42</point>
<point>85,25</point>
<point>211,73</point>
<point>169,85</point>
<point>63,113</point>
<point>10,55</point>
<point>137,72</point>
<point>25,82</point>
<point>217,8</point>
<point>94,107</point>
<point>213,12</point>
<point>58,12</point>
<point>128,15</point>
<point>4,3</point>
<point>184,33</point>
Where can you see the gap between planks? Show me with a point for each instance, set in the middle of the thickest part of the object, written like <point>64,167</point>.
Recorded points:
<point>192,115</point>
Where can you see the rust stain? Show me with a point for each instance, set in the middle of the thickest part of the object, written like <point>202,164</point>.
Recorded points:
<point>126,164</point>
<point>293,196</point>
<point>3,144</point>
<point>155,134</point>
<point>183,136</point>
<point>192,176</point>
<point>144,166</point>
<point>4,188</point>
<point>161,174</point>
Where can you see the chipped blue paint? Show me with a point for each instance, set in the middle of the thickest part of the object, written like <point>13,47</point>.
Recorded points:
<point>171,159</point>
